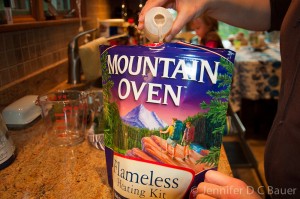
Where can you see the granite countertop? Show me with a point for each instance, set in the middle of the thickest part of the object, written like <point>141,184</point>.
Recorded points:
<point>44,171</point>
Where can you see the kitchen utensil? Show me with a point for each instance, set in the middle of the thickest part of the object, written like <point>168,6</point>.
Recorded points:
<point>64,114</point>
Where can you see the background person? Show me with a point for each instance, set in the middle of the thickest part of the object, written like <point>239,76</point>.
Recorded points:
<point>282,149</point>
<point>206,29</point>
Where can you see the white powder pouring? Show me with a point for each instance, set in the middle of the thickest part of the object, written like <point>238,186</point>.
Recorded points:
<point>158,22</point>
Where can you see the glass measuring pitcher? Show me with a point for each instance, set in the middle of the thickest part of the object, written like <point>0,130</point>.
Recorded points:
<point>64,114</point>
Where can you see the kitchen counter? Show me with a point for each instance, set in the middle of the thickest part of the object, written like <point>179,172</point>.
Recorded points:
<point>44,171</point>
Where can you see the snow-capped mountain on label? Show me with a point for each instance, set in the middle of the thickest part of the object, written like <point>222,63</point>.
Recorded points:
<point>143,118</point>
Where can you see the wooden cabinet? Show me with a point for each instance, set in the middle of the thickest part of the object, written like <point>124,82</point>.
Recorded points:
<point>37,12</point>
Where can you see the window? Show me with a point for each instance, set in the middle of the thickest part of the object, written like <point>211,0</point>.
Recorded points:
<point>61,5</point>
<point>21,7</point>
<point>226,30</point>
<point>38,10</point>
<point>57,9</point>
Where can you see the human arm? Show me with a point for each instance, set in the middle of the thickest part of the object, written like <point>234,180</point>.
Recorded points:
<point>219,185</point>
<point>183,137</point>
<point>166,131</point>
<point>250,14</point>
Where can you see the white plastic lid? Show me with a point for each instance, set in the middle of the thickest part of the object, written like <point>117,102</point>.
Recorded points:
<point>23,111</point>
<point>158,22</point>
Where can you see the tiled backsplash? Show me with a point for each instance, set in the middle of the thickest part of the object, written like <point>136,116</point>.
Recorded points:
<point>34,61</point>
<point>26,55</point>
<point>27,51</point>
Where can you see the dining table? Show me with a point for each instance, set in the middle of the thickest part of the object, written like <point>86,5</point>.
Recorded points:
<point>257,74</point>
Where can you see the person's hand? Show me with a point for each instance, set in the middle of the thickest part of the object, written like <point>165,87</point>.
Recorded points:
<point>218,185</point>
<point>187,10</point>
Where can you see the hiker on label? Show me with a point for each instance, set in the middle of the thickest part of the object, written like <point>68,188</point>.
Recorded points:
<point>187,139</point>
<point>174,131</point>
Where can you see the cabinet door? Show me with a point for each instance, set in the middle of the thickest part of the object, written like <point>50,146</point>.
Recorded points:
<point>40,10</point>
<point>23,10</point>
<point>58,9</point>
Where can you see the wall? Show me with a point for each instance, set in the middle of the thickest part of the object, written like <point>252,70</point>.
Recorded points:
<point>34,61</point>
<point>97,9</point>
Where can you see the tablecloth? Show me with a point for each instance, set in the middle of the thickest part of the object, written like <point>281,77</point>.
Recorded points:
<point>257,75</point>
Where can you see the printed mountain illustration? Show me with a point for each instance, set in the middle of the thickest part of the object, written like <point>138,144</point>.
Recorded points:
<point>143,118</point>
